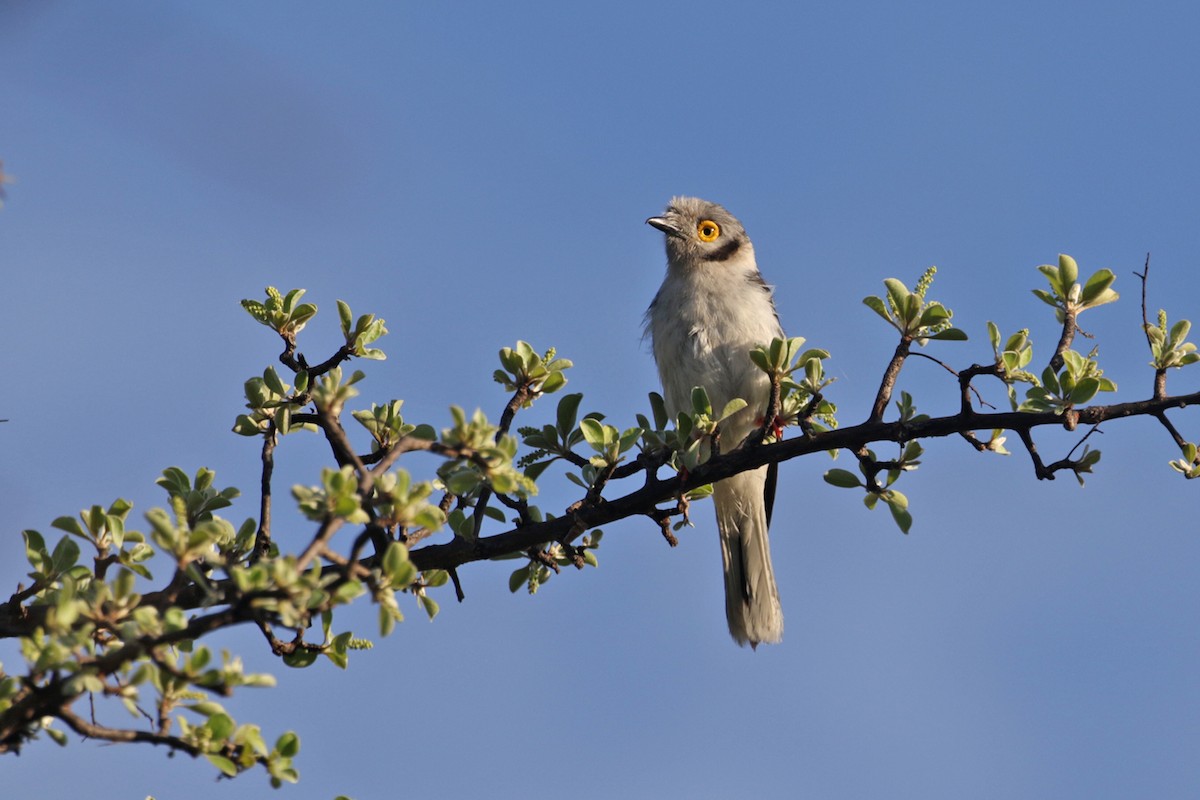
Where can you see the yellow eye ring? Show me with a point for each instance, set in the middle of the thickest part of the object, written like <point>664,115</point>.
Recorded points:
<point>708,230</point>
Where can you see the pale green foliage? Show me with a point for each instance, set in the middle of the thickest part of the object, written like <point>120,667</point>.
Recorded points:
<point>1189,466</point>
<point>782,359</point>
<point>1075,385</point>
<point>913,316</point>
<point>284,314</point>
<point>387,426</point>
<point>405,505</point>
<point>535,573</point>
<point>331,392</point>
<point>556,441</point>
<point>609,443</point>
<point>523,367</point>
<point>491,461</point>
<point>337,496</point>
<point>361,332</point>
<point>1067,295</point>
<point>1012,359</point>
<point>1170,348</point>
<point>870,469</point>
<point>89,616</point>
<point>271,402</point>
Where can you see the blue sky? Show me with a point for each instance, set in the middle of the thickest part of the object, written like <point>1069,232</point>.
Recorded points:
<point>480,173</point>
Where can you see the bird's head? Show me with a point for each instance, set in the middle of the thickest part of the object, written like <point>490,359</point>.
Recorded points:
<point>699,232</point>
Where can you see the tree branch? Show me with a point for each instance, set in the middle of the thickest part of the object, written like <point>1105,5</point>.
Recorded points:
<point>659,490</point>
<point>888,383</point>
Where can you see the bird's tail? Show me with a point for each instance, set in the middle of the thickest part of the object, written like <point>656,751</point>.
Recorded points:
<point>751,598</point>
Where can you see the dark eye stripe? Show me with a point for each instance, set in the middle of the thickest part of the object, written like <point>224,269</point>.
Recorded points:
<point>724,252</point>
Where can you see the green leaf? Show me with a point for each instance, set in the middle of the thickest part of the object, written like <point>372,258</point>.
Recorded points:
<point>896,499</point>
<point>912,310</point>
<point>274,383</point>
<point>903,519</point>
<point>876,304</point>
<point>1180,331</point>
<point>760,359</point>
<point>898,295</point>
<point>35,551</point>
<point>70,525</point>
<point>1046,297</point>
<point>568,412</point>
<point>300,658</point>
<point>658,408</point>
<point>518,578</point>
<point>288,745</point>
<point>732,407</point>
<point>1097,286</point>
<point>842,478</point>
<point>949,335</point>
<point>66,555</point>
<point>430,605</point>
<point>436,577</point>
<point>396,565</point>
<point>336,651</point>
<point>934,314</point>
<point>593,432</point>
<point>1084,391</point>
<point>222,763</point>
<point>221,725</point>
<point>1068,271</point>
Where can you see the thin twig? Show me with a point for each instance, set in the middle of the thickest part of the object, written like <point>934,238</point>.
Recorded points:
<point>262,538</point>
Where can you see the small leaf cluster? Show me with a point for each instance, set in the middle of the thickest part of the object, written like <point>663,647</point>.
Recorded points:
<point>86,618</point>
<point>336,498</point>
<point>895,500</point>
<point>1067,295</point>
<point>386,425</point>
<point>1170,348</point>
<point>404,505</point>
<point>912,315</point>
<point>103,529</point>
<point>490,458</point>
<point>271,403</point>
<point>609,444</point>
<point>1012,359</point>
<point>550,443</point>
<point>694,432</point>
<point>781,360</point>
<point>1083,465</point>
<point>870,468</point>
<point>199,499</point>
<point>1075,385</point>
<point>538,374</point>
<point>536,571</point>
<point>1189,465</point>
<point>332,392</point>
<point>228,746</point>
<point>361,332</point>
<point>284,314</point>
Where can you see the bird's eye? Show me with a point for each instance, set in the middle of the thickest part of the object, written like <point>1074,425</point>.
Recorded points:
<point>708,230</point>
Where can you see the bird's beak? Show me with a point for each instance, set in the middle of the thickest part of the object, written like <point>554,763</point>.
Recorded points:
<point>665,225</point>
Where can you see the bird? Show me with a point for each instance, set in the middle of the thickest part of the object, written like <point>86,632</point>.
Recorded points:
<point>712,309</point>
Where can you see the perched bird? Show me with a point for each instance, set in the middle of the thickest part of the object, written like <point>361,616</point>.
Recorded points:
<point>712,309</point>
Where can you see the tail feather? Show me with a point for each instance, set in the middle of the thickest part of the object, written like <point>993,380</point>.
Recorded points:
<point>751,597</point>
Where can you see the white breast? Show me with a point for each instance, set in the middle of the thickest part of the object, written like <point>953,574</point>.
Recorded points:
<point>705,321</point>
